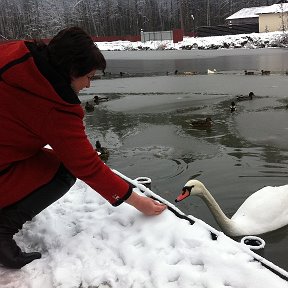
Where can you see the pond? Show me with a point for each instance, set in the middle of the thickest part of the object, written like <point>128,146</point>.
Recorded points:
<point>273,59</point>
<point>146,125</point>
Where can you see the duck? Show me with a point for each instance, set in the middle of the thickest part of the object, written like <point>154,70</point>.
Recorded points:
<point>265,72</point>
<point>202,123</point>
<point>89,107</point>
<point>245,97</point>
<point>264,211</point>
<point>98,99</point>
<point>185,73</point>
<point>102,151</point>
<point>209,71</point>
<point>248,72</point>
<point>233,107</point>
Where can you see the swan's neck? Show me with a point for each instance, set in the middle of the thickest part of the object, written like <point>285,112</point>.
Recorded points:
<point>226,224</point>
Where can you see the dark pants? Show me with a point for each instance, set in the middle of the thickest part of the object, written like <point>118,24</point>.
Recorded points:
<point>14,216</point>
<point>44,196</point>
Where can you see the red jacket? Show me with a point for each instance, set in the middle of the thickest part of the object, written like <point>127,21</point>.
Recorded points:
<point>39,107</point>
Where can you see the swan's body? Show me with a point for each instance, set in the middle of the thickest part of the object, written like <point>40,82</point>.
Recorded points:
<point>264,211</point>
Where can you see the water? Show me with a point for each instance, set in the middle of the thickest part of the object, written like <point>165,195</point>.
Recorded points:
<point>146,126</point>
<point>197,60</point>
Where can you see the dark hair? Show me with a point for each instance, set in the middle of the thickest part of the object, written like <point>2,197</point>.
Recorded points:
<point>73,53</point>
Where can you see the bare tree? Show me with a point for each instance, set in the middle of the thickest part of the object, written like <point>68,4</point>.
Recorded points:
<point>43,18</point>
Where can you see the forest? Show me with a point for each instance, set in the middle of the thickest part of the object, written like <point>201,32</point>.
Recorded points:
<point>25,19</point>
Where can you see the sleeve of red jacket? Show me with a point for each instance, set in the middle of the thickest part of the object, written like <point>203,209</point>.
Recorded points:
<point>65,133</point>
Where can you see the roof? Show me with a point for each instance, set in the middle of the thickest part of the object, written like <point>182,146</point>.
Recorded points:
<point>251,12</point>
<point>276,8</point>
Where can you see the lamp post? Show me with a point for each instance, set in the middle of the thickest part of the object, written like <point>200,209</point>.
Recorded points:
<point>193,21</point>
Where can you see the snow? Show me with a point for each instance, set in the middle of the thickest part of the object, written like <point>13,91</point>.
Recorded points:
<point>276,8</point>
<point>85,242</point>
<point>251,41</point>
<point>246,13</point>
<point>253,12</point>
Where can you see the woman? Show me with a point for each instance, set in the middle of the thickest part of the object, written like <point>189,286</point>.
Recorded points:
<point>39,106</point>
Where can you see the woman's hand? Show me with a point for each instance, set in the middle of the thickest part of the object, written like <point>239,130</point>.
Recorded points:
<point>146,205</point>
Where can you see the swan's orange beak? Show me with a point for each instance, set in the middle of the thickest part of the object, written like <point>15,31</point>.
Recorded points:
<point>185,193</point>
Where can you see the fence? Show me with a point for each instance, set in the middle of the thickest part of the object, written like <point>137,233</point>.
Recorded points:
<point>156,36</point>
<point>176,35</point>
<point>131,38</point>
<point>227,30</point>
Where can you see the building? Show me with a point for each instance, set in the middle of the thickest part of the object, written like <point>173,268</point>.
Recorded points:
<point>251,20</point>
<point>245,16</point>
<point>273,18</point>
<point>268,18</point>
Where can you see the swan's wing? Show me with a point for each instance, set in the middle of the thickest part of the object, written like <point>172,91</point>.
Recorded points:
<point>265,210</point>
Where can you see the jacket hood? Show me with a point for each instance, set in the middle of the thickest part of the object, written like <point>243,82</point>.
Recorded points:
<point>24,67</point>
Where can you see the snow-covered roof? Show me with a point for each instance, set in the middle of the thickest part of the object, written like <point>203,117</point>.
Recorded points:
<point>275,8</point>
<point>251,12</point>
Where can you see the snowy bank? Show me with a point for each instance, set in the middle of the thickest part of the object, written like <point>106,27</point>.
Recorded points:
<point>85,242</point>
<point>251,41</point>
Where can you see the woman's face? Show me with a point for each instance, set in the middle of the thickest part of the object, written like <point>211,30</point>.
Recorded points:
<point>81,82</point>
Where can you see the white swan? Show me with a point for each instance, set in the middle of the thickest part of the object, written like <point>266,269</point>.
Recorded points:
<point>265,210</point>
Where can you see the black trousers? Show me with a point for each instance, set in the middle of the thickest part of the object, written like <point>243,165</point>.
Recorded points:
<point>44,196</point>
<point>14,216</point>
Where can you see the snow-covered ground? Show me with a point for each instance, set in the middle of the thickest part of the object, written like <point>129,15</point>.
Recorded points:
<point>85,242</point>
<point>251,41</point>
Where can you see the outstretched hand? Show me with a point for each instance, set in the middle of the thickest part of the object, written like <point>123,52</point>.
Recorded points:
<point>146,205</point>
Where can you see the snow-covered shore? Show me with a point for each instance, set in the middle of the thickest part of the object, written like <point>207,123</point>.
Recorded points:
<point>250,41</point>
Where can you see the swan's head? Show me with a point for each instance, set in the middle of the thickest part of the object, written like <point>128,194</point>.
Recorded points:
<point>192,187</point>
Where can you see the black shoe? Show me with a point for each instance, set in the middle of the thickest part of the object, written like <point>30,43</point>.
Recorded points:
<point>11,255</point>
